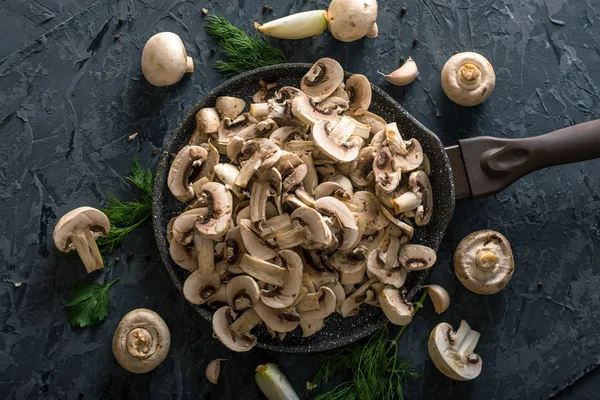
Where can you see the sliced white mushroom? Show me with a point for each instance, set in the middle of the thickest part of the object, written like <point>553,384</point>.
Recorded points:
<point>242,292</point>
<point>453,352</point>
<point>394,306</point>
<point>198,288</point>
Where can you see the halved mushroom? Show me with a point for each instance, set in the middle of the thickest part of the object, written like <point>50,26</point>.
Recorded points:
<point>242,292</point>
<point>359,93</point>
<point>351,305</point>
<point>229,107</point>
<point>280,320</point>
<point>254,244</point>
<point>483,262</point>
<point>141,341</point>
<point>332,207</point>
<point>259,154</point>
<point>239,340</point>
<point>386,177</point>
<point>415,257</point>
<point>284,296</point>
<point>78,230</point>
<point>394,305</point>
<point>452,352</point>
<point>183,171</point>
<point>322,79</point>
<point>350,264</point>
<point>220,204</point>
<point>198,288</point>
<point>308,230</point>
<point>207,123</point>
<point>305,109</point>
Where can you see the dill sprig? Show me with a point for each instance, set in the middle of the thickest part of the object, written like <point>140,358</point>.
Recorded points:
<point>126,216</point>
<point>376,371</point>
<point>244,52</point>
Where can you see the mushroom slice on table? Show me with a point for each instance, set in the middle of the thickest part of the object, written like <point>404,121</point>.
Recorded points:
<point>242,292</point>
<point>258,154</point>
<point>483,262</point>
<point>322,79</point>
<point>238,340</point>
<point>280,320</point>
<point>359,93</point>
<point>78,230</point>
<point>284,295</point>
<point>229,107</point>
<point>415,257</point>
<point>333,140</point>
<point>452,352</point>
<point>332,207</point>
<point>351,305</point>
<point>308,230</point>
<point>141,341</point>
<point>351,264</point>
<point>198,288</point>
<point>394,305</point>
<point>183,171</point>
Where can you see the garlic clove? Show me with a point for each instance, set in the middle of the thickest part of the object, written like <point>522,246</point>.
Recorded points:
<point>296,26</point>
<point>213,369</point>
<point>439,297</point>
<point>404,75</point>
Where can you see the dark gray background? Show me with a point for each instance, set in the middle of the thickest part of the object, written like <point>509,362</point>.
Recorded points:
<point>71,94</point>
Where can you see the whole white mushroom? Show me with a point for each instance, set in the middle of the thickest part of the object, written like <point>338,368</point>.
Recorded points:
<point>350,20</point>
<point>164,59</point>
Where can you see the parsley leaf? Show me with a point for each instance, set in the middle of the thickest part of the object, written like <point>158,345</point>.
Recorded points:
<point>88,304</point>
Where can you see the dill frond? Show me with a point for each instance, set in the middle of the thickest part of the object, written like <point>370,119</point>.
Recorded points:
<point>376,371</point>
<point>244,52</point>
<point>124,217</point>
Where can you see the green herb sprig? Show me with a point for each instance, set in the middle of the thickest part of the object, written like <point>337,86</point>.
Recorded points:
<point>244,52</point>
<point>124,217</point>
<point>377,373</point>
<point>88,304</point>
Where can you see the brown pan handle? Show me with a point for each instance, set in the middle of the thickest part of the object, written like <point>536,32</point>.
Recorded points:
<point>492,164</point>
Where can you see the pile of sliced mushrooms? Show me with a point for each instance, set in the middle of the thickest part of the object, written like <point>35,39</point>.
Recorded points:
<point>311,214</point>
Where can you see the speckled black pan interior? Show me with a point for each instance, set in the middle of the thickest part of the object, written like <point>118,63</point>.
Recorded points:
<point>338,331</point>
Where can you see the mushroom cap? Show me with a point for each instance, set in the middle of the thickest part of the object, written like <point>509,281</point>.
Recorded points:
<point>234,249</point>
<point>363,175</point>
<point>79,220</point>
<point>141,341</point>
<point>207,121</point>
<point>452,352</point>
<point>305,109</point>
<point>322,79</point>
<point>220,206</point>
<point>242,292</point>
<point>376,267</point>
<point>198,288</point>
<point>229,107</point>
<point>415,257</point>
<point>359,93</point>
<point>395,307</point>
<point>350,20</point>
<point>468,78</point>
<point>367,203</point>
<point>222,319</point>
<point>333,140</point>
<point>164,59</point>
<point>385,175</point>
<point>483,262</point>
<point>330,206</point>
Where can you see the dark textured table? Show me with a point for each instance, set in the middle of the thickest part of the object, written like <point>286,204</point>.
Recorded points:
<point>71,93</point>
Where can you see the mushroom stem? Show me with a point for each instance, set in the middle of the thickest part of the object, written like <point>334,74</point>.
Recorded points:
<point>245,322</point>
<point>258,200</point>
<point>205,254</point>
<point>189,65</point>
<point>139,343</point>
<point>391,256</point>
<point>466,339</point>
<point>293,238</point>
<point>469,74</point>
<point>86,247</point>
<point>263,270</point>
